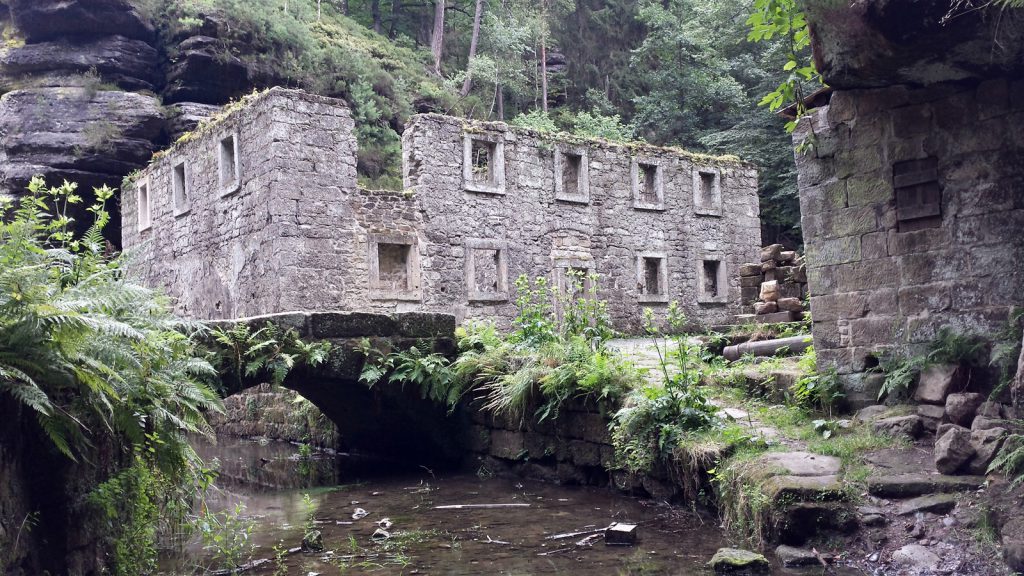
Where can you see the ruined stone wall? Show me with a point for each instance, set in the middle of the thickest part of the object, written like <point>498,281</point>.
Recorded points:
<point>257,234</point>
<point>283,225</point>
<point>541,205</point>
<point>912,205</point>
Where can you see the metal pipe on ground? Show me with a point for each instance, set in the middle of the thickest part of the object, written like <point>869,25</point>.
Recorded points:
<point>795,344</point>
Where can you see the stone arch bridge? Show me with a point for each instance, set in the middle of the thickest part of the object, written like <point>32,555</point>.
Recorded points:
<point>387,419</point>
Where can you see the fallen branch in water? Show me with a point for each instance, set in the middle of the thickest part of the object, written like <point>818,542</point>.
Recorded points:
<point>584,532</point>
<point>468,506</point>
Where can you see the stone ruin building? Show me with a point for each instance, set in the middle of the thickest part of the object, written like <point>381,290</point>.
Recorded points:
<point>912,181</point>
<point>260,212</point>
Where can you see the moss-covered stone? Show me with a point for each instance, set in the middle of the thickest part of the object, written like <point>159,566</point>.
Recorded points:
<point>737,561</point>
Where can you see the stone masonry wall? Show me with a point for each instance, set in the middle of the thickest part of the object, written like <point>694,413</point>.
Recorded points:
<point>607,227</point>
<point>259,242</point>
<point>295,232</point>
<point>912,205</point>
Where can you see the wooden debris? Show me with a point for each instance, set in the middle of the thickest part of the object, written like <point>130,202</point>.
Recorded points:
<point>470,506</point>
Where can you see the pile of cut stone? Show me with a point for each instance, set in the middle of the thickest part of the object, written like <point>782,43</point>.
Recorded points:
<point>969,431</point>
<point>775,287</point>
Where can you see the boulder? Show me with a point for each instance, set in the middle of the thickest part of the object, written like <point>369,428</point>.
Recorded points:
<point>986,444</point>
<point>748,270</point>
<point>126,62</point>
<point>42,20</point>
<point>907,426</point>
<point>937,381</point>
<point>72,133</point>
<point>791,556</point>
<point>989,410</point>
<point>1012,539</point>
<point>205,72</point>
<point>986,423</point>
<point>737,561</point>
<point>761,308</point>
<point>953,450</point>
<point>961,408</point>
<point>917,557</point>
<point>870,413</point>
<point>787,256</point>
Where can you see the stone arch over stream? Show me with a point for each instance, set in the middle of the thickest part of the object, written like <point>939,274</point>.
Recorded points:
<point>389,421</point>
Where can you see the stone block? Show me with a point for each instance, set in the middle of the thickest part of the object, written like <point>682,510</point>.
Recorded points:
<point>751,281</point>
<point>931,416</point>
<point>961,408</point>
<point>775,318</point>
<point>769,291</point>
<point>585,453</point>
<point>933,503</point>
<point>834,251</point>
<point>937,381</point>
<point>869,190</point>
<point>749,294</point>
<point>953,450</point>
<point>507,444</point>
<point>761,308</point>
<point>750,270</point>
<point>771,252</point>
<point>790,304</point>
<point>790,290</point>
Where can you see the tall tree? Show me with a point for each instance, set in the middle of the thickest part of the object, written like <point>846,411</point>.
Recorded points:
<point>467,84</point>
<point>437,36</point>
<point>544,55</point>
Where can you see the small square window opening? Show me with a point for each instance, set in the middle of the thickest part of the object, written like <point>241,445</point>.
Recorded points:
<point>482,162</point>
<point>393,267</point>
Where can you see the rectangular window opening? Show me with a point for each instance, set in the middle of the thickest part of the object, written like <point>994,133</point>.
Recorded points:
<point>652,276</point>
<point>178,187</point>
<point>393,267</point>
<point>571,165</point>
<point>576,282</point>
<point>711,287</point>
<point>487,271</point>
<point>918,194</point>
<point>648,183</point>
<point>228,162</point>
<point>707,189</point>
<point>482,157</point>
<point>145,216</point>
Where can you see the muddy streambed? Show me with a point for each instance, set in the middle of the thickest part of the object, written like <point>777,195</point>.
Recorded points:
<point>279,492</point>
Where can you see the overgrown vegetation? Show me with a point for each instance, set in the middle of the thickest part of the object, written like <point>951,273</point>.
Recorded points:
<point>96,361</point>
<point>266,354</point>
<point>948,347</point>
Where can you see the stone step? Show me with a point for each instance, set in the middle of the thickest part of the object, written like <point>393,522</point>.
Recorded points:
<point>934,503</point>
<point>912,485</point>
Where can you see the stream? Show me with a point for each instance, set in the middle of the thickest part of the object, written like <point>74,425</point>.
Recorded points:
<point>272,482</point>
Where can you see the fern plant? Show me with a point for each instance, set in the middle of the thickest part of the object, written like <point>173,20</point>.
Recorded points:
<point>429,371</point>
<point>270,352</point>
<point>83,347</point>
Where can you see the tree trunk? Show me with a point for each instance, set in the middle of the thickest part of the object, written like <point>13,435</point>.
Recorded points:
<point>544,58</point>
<point>1017,390</point>
<point>396,9</point>
<point>375,10</point>
<point>344,7</point>
<point>501,103</point>
<point>437,37</point>
<point>318,13</point>
<point>467,85</point>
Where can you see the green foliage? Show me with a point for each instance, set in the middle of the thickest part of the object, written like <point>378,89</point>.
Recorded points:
<point>82,346</point>
<point>431,372</point>
<point>947,347</point>
<point>226,536</point>
<point>814,390</point>
<point>596,125</point>
<point>656,419</point>
<point>556,352</point>
<point>785,19</point>
<point>269,353</point>
<point>1010,460</point>
<point>534,120</point>
<point>1006,345</point>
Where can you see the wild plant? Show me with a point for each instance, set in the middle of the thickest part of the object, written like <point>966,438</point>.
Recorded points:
<point>225,535</point>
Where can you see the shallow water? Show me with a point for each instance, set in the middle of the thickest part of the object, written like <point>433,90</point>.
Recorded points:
<point>270,481</point>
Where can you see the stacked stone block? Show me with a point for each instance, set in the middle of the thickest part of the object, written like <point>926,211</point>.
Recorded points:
<point>775,288</point>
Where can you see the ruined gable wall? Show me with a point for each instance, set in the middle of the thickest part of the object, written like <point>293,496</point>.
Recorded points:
<point>255,247</point>
<point>604,233</point>
<point>879,280</point>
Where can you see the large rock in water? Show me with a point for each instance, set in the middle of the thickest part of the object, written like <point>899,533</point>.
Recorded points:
<point>129,63</point>
<point>42,20</point>
<point>74,133</point>
<point>737,561</point>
